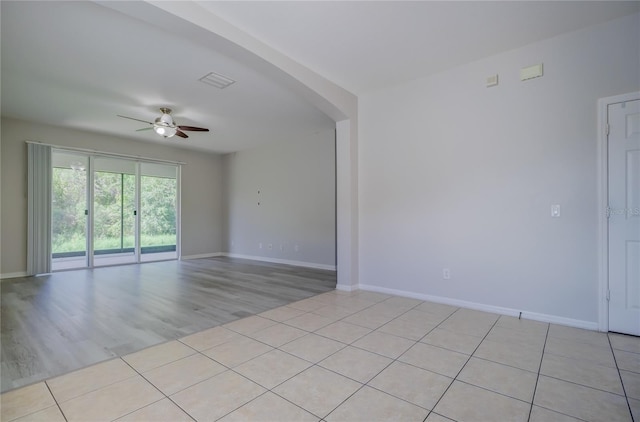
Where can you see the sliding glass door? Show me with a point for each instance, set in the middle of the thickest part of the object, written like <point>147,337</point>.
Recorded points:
<point>158,211</point>
<point>110,211</point>
<point>69,211</point>
<point>114,211</point>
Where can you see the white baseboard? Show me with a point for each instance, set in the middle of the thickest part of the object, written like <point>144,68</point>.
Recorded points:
<point>281,261</point>
<point>13,275</point>
<point>200,256</point>
<point>588,325</point>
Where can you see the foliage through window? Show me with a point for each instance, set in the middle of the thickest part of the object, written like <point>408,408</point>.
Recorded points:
<point>114,220</point>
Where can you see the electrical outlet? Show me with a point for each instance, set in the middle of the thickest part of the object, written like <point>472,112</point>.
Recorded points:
<point>270,246</point>
<point>260,245</point>
<point>296,248</point>
<point>446,273</point>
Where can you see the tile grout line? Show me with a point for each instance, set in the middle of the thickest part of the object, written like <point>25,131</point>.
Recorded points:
<point>429,332</point>
<point>453,379</point>
<point>503,364</point>
<point>535,388</point>
<point>109,359</point>
<point>244,404</point>
<point>55,400</point>
<point>578,384</point>
<point>46,381</point>
<point>393,319</point>
<point>624,390</point>
<point>227,368</point>
<point>465,364</point>
<point>429,411</point>
<point>273,348</point>
<point>337,351</point>
<point>316,364</point>
<point>270,390</point>
<point>583,386</point>
<point>160,391</point>
<point>573,383</point>
<point>495,362</point>
<point>393,360</point>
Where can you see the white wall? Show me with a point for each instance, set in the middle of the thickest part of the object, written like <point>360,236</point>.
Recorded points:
<point>456,175</point>
<point>201,186</point>
<point>296,180</point>
<point>335,101</point>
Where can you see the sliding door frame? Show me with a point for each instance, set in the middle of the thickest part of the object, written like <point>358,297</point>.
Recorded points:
<point>90,197</point>
<point>90,217</point>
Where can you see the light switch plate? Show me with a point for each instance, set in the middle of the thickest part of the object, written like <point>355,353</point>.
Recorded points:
<point>555,210</point>
<point>492,80</point>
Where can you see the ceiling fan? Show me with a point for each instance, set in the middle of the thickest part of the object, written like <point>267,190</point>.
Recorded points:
<point>165,126</point>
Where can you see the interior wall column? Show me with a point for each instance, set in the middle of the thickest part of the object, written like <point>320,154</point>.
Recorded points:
<point>347,204</point>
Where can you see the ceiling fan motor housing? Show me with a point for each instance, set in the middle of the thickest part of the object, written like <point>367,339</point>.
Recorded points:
<point>166,116</point>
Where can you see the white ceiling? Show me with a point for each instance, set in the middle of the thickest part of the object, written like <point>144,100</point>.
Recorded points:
<point>367,45</point>
<point>79,64</point>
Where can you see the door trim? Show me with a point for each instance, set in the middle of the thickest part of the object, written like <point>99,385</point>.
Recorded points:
<point>603,203</point>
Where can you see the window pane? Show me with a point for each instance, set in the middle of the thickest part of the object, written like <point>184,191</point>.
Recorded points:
<point>68,219</point>
<point>158,209</point>
<point>113,211</point>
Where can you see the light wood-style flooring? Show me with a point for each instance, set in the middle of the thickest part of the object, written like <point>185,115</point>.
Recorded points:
<point>57,323</point>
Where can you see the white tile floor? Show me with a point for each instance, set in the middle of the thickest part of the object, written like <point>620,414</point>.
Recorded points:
<point>358,356</point>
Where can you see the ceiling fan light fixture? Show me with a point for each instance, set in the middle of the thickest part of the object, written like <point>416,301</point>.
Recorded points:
<point>166,127</point>
<point>163,130</point>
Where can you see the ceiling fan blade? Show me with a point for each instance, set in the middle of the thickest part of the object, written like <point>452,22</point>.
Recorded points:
<point>181,134</point>
<point>144,128</point>
<point>132,118</point>
<point>196,129</point>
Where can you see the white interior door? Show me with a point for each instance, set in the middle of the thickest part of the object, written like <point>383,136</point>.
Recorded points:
<point>624,216</point>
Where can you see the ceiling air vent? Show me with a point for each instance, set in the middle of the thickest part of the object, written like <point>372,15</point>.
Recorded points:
<point>216,80</point>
